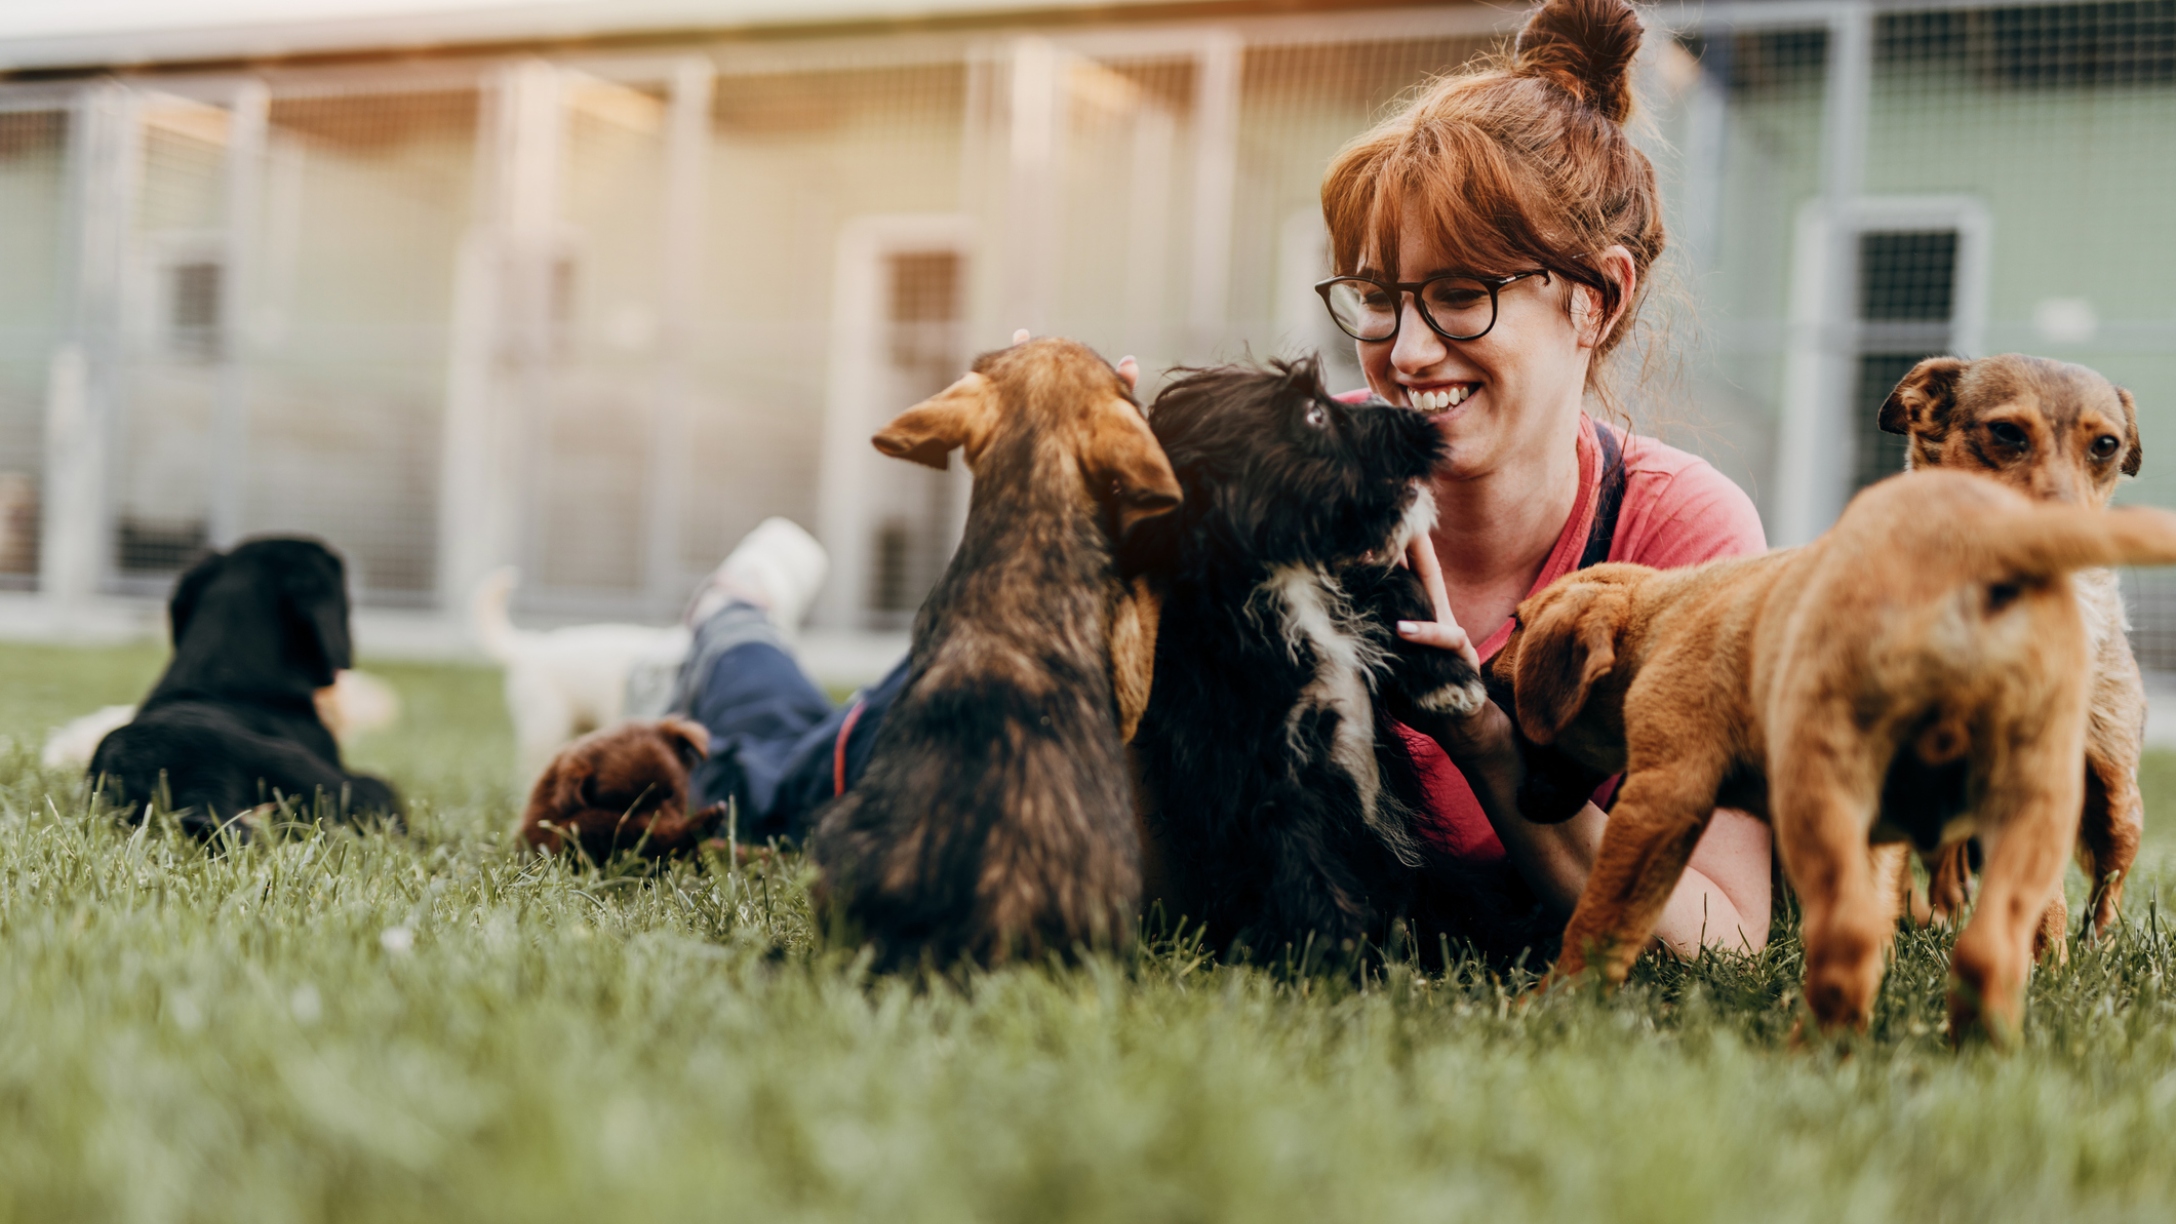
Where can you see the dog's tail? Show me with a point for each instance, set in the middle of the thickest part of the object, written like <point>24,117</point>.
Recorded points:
<point>2046,540</point>
<point>494,629</point>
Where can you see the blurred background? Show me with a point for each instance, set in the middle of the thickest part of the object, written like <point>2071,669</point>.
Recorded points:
<point>594,287</point>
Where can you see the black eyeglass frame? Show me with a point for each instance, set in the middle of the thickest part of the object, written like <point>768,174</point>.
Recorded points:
<point>1402,289</point>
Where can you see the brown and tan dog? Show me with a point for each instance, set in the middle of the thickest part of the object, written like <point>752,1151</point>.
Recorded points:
<point>2061,433</point>
<point>995,818</point>
<point>622,788</point>
<point>1918,673</point>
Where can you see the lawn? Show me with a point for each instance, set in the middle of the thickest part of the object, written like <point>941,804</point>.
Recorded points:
<point>359,1027</point>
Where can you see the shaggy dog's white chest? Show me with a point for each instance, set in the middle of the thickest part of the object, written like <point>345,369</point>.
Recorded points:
<point>1311,611</point>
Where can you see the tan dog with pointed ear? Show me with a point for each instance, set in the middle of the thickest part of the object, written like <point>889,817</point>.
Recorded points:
<point>1917,673</point>
<point>2060,433</point>
<point>994,819</point>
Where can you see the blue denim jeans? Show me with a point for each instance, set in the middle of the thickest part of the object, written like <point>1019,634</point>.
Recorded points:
<point>774,737</point>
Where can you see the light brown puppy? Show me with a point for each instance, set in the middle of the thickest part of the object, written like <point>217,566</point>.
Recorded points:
<point>2061,433</point>
<point>622,788</point>
<point>1916,673</point>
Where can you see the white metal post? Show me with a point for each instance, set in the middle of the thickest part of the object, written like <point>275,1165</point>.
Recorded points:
<point>501,316</point>
<point>1035,138</point>
<point>247,119</point>
<point>1813,461</point>
<point>687,159</point>
<point>84,377</point>
<point>1217,70</point>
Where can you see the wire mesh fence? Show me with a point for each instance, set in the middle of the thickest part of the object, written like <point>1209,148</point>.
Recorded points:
<point>598,316</point>
<point>33,199</point>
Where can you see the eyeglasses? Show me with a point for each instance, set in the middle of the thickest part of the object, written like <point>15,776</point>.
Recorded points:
<point>1456,307</point>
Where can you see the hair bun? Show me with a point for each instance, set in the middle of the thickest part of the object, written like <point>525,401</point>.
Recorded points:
<point>1584,47</point>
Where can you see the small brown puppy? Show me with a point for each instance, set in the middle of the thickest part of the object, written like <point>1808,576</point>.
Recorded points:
<point>2060,433</point>
<point>1917,673</point>
<point>995,817</point>
<point>622,788</point>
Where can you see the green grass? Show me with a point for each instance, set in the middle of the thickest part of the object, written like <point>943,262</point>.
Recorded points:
<point>355,1027</point>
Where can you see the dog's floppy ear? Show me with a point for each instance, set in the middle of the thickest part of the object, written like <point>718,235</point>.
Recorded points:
<point>314,605</point>
<point>1126,464</point>
<point>958,417</point>
<point>189,592</point>
<point>2133,453</point>
<point>690,740</point>
<point>1923,394</point>
<point>1570,644</point>
<point>564,788</point>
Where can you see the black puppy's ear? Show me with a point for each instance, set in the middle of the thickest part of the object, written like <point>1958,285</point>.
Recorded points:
<point>314,607</point>
<point>189,592</point>
<point>2133,453</point>
<point>1924,395</point>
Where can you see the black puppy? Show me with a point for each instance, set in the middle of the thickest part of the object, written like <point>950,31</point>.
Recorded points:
<point>233,724</point>
<point>1280,799</point>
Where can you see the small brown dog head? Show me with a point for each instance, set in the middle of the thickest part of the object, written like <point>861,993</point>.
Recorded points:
<point>2052,430</point>
<point>1563,645</point>
<point>621,788</point>
<point>1056,388</point>
<point>1563,641</point>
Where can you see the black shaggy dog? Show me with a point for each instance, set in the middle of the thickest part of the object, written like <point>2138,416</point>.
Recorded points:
<point>1280,800</point>
<point>994,819</point>
<point>233,724</point>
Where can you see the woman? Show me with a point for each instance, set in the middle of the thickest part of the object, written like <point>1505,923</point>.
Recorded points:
<point>1494,242</point>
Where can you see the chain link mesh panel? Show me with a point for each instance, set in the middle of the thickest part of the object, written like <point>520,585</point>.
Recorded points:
<point>365,198</point>
<point>33,295</point>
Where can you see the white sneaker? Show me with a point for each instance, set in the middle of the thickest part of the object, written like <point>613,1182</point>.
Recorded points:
<point>777,567</point>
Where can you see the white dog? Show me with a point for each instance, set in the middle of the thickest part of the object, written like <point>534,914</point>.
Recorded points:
<point>355,702</point>
<point>565,683</point>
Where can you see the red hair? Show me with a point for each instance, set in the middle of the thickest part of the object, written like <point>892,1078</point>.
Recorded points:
<point>1520,163</point>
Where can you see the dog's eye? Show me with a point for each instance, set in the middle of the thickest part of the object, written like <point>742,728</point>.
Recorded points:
<point>2006,434</point>
<point>2105,446</point>
<point>1317,417</point>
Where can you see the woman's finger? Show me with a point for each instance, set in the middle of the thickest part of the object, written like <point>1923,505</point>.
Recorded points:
<point>1421,555</point>
<point>1443,635</point>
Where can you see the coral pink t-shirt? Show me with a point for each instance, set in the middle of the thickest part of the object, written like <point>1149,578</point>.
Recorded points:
<point>1677,511</point>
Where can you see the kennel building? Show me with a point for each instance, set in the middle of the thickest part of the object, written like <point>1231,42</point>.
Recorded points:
<point>593,287</point>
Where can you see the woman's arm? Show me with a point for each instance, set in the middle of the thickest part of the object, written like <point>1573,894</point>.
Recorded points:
<point>1723,898</point>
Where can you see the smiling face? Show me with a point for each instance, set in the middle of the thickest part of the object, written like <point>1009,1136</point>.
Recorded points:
<point>1515,391</point>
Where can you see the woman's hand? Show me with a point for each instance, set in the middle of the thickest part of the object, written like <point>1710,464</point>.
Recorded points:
<point>1480,741</point>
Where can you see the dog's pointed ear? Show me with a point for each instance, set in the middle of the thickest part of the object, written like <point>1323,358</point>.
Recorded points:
<point>1569,645</point>
<point>2133,453</point>
<point>1125,464</point>
<point>959,417</point>
<point>1924,395</point>
<point>189,593</point>
<point>690,740</point>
